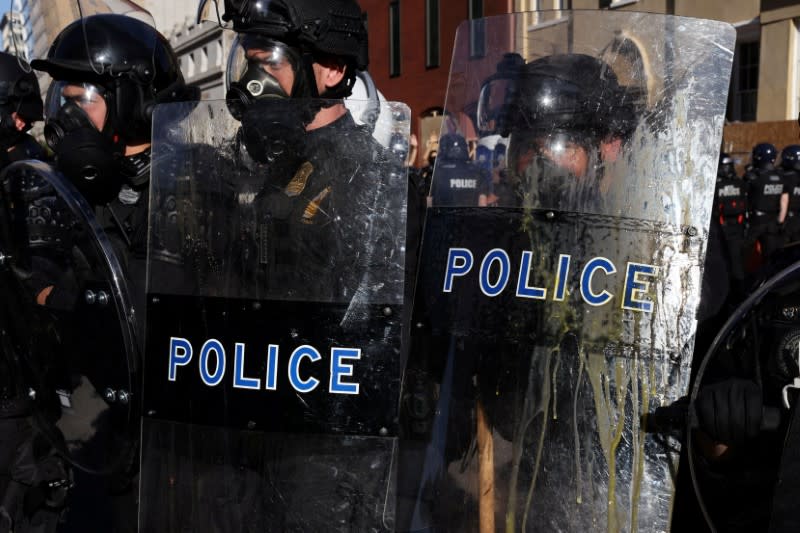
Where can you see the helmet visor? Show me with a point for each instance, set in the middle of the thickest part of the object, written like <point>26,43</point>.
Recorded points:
<point>256,63</point>
<point>87,96</point>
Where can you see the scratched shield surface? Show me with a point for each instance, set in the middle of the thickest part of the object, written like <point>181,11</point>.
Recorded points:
<point>552,315</point>
<point>274,311</point>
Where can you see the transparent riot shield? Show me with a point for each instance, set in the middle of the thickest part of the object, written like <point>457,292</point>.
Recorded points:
<point>275,305</point>
<point>69,340</point>
<point>555,304</point>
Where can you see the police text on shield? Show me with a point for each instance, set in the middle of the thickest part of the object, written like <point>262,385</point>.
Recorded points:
<point>213,364</point>
<point>495,271</point>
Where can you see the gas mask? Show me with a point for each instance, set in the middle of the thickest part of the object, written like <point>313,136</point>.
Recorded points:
<point>90,158</point>
<point>555,172</point>
<point>271,131</point>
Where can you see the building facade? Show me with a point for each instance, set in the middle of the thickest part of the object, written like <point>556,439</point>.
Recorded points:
<point>411,43</point>
<point>15,34</point>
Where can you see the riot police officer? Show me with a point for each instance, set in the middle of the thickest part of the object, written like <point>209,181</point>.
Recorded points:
<point>767,200</point>
<point>790,164</point>
<point>109,73</point>
<point>303,198</point>
<point>730,209</point>
<point>310,155</point>
<point>20,107</point>
<point>460,182</point>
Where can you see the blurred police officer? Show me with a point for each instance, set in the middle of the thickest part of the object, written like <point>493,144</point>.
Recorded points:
<point>730,209</point>
<point>20,107</point>
<point>790,165</point>
<point>25,505</point>
<point>767,200</point>
<point>109,72</point>
<point>459,181</point>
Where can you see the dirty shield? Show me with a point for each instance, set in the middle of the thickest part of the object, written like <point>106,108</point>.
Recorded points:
<point>275,305</point>
<point>69,350</point>
<point>555,312</point>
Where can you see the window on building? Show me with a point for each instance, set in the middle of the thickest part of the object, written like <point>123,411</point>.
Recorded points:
<point>743,99</point>
<point>190,66</point>
<point>204,59</point>
<point>477,29</point>
<point>394,38</point>
<point>431,33</point>
<point>218,53</point>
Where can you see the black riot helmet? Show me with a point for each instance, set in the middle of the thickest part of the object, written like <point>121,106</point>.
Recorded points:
<point>726,168</point>
<point>790,157</point>
<point>453,147</point>
<point>19,93</point>
<point>558,112</point>
<point>121,67</point>
<point>311,30</point>
<point>568,93</point>
<point>764,155</point>
<point>133,63</point>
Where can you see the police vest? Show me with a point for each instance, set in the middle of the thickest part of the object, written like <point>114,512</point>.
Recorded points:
<point>458,183</point>
<point>729,198</point>
<point>764,192</point>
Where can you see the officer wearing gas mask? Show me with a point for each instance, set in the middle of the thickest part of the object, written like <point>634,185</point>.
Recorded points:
<point>315,166</point>
<point>20,107</point>
<point>109,72</point>
<point>568,123</point>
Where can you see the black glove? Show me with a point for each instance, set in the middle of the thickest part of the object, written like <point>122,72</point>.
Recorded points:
<point>730,411</point>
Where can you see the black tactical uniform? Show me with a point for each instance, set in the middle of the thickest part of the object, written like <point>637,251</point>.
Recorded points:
<point>730,210</point>
<point>27,462</point>
<point>326,196</point>
<point>459,182</point>
<point>790,165</point>
<point>130,67</point>
<point>765,185</point>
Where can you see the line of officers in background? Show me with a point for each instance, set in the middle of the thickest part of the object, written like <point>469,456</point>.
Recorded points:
<point>759,212</point>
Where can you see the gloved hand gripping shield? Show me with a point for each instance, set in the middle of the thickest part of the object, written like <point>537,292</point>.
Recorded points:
<point>275,301</point>
<point>70,354</point>
<point>550,322</point>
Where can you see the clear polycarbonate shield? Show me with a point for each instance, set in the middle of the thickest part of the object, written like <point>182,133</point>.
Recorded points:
<point>275,306</point>
<point>556,309</point>
<point>70,340</point>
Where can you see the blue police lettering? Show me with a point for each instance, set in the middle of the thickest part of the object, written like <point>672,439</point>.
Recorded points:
<point>496,271</point>
<point>213,359</point>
